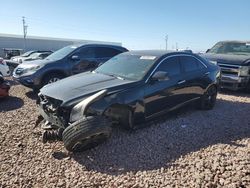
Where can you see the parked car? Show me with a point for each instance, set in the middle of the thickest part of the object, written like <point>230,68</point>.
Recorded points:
<point>4,68</point>
<point>11,52</point>
<point>65,62</point>
<point>38,55</point>
<point>233,57</point>
<point>4,87</point>
<point>26,55</point>
<point>129,89</point>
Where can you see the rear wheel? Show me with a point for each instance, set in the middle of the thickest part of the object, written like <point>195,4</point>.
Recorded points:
<point>86,133</point>
<point>208,99</point>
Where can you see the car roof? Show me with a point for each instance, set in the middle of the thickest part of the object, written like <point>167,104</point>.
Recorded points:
<point>100,45</point>
<point>156,53</point>
<point>236,41</point>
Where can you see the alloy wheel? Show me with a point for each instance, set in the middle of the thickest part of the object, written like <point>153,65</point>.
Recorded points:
<point>52,80</point>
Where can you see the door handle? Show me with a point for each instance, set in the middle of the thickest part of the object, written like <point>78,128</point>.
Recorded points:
<point>181,82</point>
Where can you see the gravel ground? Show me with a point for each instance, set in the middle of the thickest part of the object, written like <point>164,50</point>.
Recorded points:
<point>187,149</point>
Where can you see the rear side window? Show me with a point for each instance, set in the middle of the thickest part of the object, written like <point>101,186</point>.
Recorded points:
<point>171,66</point>
<point>190,64</point>
<point>103,52</point>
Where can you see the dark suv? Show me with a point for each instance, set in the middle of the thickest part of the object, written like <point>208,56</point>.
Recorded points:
<point>233,57</point>
<point>67,61</point>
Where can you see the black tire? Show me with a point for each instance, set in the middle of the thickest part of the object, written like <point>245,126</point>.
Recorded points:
<point>50,78</point>
<point>86,133</point>
<point>208,99</point>
<point>248,87</point>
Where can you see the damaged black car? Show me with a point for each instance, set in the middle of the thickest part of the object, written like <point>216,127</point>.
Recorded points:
<point>127,90</point>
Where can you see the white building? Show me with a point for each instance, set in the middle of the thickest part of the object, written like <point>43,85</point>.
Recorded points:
<point>40,43</point>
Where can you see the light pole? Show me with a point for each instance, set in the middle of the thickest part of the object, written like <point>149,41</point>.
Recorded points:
<point>166,38</point>
<point>25,27</point>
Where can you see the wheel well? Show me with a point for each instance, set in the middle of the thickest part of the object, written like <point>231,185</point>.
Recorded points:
<point>215,85</point>
<point>116,111</point>
<point>61,73</point>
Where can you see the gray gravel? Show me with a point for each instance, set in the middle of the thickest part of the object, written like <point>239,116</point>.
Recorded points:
<point>188,148</point>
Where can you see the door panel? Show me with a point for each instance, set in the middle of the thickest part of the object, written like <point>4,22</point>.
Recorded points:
<point>164,95</point>
<point>194,74</point>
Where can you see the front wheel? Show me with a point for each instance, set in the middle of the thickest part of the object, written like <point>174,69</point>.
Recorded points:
<point>51,78</point>
<point>208,100</point>
<point>86,133</point>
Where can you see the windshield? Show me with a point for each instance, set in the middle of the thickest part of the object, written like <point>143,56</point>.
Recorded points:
<point>63,52</point>
<point>26,54</point>
<point>34,55</point>
<point>127,66</point>
<point>231,48</point>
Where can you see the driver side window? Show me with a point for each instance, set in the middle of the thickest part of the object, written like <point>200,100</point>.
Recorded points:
<point>86,53</point>
<point>171,66</point>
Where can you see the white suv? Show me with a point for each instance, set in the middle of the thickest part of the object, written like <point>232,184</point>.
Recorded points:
<point>4,68</point>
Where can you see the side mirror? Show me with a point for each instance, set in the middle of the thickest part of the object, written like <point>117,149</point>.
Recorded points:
<point>75,57</point>
<point>207,50</point>
<point>160,76</point>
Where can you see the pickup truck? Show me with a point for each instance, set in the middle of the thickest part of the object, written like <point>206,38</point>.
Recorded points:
<point>233,57</point>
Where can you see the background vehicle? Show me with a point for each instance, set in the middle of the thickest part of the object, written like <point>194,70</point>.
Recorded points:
<point>26,55</point>
<point>38,55</point>
<point>130,88</point>
<point>64,62</point>
<point>10,52</point>
<point>4,87</point>
<point>233,57</point>
<point>4,69</point>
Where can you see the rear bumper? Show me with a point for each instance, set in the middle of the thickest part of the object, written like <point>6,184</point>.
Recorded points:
<point>233,82</point>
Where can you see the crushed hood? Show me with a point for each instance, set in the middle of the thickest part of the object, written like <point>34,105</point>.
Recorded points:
<point>82,85</point>
<point>227,58</point>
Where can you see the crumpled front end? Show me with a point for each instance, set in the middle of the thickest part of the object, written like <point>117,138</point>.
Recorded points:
<point>60,117</point>
<point>50,110</point>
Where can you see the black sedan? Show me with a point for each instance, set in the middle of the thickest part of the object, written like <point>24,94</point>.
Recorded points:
<point>128,90</point>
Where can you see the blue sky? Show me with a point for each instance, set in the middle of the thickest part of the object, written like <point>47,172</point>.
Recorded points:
<point>138,24</point>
